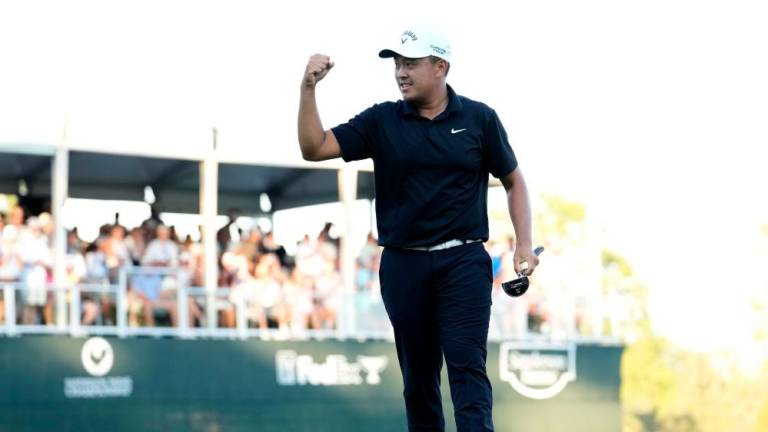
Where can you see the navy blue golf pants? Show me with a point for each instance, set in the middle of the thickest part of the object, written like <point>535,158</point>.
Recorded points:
<point>439,304</point>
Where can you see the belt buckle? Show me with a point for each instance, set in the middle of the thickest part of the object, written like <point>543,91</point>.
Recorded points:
<point>446,245</point>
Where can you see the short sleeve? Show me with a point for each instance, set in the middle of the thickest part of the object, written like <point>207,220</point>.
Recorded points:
<point>498,157</point>
<point>357,136</point>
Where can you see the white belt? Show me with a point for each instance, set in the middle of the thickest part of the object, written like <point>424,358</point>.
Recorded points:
<point>445,245</point>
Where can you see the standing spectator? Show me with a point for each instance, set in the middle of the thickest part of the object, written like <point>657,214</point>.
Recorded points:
<point>149,225</point>
<point>224,234</point>
<point>38,260</point>
<point>11,264</point>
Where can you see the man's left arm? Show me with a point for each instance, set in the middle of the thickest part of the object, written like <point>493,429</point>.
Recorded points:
<point>520,213</point>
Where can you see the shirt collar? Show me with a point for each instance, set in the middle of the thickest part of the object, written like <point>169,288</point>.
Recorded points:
<point>454,105</point>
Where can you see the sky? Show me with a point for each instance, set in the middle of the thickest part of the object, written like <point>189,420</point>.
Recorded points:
<point>654,113</point>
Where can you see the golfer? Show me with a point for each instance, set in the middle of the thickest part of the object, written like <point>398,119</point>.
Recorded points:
<point>432,152</point>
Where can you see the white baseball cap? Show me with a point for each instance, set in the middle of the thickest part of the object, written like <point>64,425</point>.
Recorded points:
<point>418,43</point>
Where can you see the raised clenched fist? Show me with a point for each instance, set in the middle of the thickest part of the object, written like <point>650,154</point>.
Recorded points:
<point>317,68</point>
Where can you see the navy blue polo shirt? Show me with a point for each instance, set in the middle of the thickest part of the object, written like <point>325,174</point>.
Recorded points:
<point>431,175</point>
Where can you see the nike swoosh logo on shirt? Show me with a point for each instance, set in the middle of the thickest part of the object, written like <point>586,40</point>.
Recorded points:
<point>455,131</point>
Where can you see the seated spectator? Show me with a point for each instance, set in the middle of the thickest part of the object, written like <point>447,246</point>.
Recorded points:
<point>309,259</point>
<point>117,253</point>
<point>136,244</point>
<point>116,257</point>
<point>74,244</point>
<point>269,277</point>
<point>269,245</point>
<point>326,297</point>
<point>297,291</point>
<point>191,260</point>
<point>252,243</point>
<point>149,292</point>
<point>369,306</point>
<point>75,268</point>
<point>367,264</point>
<point>96,273</point>
<point>261,292</point>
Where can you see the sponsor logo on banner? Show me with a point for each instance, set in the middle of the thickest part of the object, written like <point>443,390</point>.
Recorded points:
<point>97,357</point>
<point>537,371</point>
<point>301,369</point>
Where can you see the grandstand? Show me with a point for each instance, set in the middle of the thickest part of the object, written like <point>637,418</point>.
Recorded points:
<point>112,313</point>
<point>210,283</point>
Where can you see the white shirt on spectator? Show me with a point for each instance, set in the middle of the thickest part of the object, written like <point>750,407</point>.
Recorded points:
<point>161,251</point>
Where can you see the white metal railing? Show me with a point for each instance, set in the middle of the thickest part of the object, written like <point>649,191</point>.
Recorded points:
<point>13,294</point>
<point>361,315</point>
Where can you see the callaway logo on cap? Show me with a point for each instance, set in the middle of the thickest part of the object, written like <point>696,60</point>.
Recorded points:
<point>418,43</point>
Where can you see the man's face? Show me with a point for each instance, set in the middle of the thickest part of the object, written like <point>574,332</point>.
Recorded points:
<point>163,233</point>
<point>17,216</point>
<point>417,78</point>
<point>117,233</point>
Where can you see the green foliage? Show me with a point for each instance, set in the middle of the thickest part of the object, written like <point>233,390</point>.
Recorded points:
<point>648,377</point>
<point>612,260</point>
<point>557,216</point>
<point>761,424</point>
<point>667,389</point>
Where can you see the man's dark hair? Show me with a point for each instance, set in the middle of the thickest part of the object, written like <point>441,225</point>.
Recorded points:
<point>435,59</point>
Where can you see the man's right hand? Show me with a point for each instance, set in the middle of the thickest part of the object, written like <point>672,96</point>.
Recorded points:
<point>317,69</point>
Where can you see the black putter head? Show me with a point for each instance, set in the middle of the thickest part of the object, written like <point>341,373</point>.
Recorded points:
<point>517,287</point>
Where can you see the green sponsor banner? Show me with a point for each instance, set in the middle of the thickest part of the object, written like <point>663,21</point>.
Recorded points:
<point>110,384</point>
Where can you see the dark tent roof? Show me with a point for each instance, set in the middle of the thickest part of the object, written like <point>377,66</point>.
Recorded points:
<point>176,182</point>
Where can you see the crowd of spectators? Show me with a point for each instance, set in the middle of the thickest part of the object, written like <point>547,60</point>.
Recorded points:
<point>278,290</point>
<point>293,292</point>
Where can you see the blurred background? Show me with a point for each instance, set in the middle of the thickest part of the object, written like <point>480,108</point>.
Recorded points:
<point>168,260</point>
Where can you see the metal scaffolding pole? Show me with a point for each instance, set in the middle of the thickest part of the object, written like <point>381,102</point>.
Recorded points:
<point>347,178</point>
<point>59,187</point>
<point>209,185</point>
